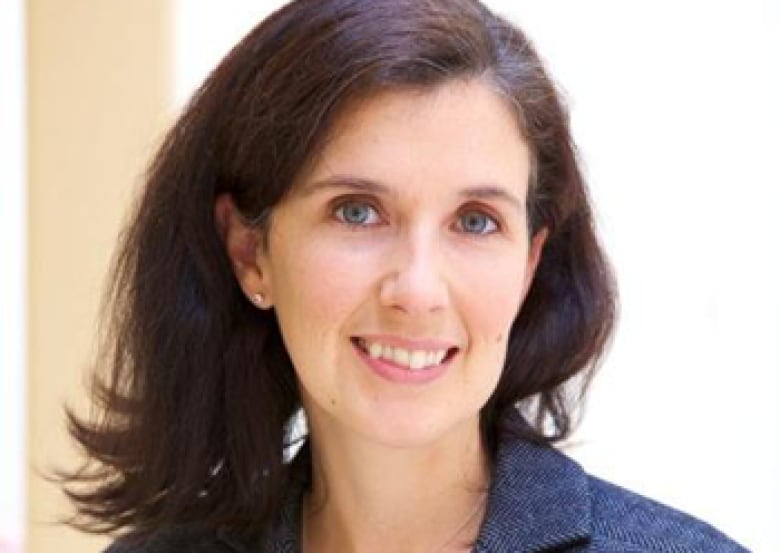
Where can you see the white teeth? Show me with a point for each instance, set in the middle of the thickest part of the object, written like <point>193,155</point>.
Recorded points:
<point>415,360</point>
<point>401,356</point>
<point>418,359</point>
<point>375,350</point>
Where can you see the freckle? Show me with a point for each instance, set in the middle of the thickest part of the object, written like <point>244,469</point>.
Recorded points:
<point>499,338</point>
<point>333,401</point>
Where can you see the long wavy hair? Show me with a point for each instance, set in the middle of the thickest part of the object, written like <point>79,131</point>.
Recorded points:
<point>193,389</point>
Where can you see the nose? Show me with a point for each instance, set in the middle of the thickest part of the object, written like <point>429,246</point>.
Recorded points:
<point>415,282</point>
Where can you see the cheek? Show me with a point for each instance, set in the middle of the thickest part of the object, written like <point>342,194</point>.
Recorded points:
<point>494,297</point>
<point>330,281</point>
<point>318,286</point>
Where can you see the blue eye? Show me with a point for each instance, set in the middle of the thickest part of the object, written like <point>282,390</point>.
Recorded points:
<point>356,213</point>
<point>476,222</point>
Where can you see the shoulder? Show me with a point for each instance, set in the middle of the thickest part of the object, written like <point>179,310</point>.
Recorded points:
<point>542,499</point>
<point>622,520</point>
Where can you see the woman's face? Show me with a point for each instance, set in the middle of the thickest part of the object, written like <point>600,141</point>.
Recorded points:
<point>406,242</point>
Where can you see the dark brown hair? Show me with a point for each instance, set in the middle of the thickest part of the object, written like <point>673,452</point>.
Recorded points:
<point>193,377</point>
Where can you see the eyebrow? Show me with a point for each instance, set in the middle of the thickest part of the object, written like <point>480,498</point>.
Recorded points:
<point>348,182</point>
<point>359,184</point>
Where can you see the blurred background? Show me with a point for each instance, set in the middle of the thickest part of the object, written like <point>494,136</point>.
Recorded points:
<point>674,109</point>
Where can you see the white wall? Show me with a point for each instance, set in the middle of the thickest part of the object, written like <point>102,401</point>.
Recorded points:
<point>13,242</point>
<point>673,107</point>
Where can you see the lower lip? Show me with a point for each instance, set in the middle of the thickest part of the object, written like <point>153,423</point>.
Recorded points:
<point>394,373</point>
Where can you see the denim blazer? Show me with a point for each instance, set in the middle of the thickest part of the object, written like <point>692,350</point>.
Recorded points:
<point>540,500</point>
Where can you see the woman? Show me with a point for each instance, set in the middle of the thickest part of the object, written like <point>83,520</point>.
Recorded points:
<point>372,211</point>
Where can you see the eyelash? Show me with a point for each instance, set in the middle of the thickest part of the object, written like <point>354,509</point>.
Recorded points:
<point>340,205</point>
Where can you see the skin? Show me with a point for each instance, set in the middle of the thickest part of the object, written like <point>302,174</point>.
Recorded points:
<point>398,466</point>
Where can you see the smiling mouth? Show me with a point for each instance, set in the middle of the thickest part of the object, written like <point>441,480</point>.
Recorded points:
<point>414,360</point>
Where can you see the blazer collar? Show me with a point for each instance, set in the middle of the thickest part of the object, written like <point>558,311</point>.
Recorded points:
<point>539,499</point>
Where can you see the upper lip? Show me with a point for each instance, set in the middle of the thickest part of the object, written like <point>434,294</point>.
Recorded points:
<point>426,344</point>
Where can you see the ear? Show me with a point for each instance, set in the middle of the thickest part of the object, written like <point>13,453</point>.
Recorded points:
<point>534,254</point>
<point>242,243</point>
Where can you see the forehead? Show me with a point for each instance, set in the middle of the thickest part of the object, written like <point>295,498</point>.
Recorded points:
<point>461,132</point>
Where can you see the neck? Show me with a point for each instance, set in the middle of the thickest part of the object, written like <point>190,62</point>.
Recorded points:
<point>372,497</point>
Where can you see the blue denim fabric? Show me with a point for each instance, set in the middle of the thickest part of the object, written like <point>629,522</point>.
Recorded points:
<point>540,501</point>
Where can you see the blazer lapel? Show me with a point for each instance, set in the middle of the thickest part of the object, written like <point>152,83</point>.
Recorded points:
<point>539,500</point>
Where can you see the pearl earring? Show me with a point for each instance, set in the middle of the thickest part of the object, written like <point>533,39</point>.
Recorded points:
<point>258,299</point>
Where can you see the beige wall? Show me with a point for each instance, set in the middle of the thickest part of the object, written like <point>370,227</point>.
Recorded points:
<point>99,99</point>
